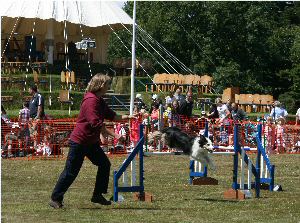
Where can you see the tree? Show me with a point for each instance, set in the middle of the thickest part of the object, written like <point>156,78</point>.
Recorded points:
<point>253,45</point>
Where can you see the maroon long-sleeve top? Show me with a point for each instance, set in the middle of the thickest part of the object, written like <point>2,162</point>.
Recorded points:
<point>93,111</point>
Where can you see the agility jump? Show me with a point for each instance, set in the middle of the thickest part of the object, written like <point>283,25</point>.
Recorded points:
<point>263,172</point>
<point>263,177</point>
<point>140,195</point>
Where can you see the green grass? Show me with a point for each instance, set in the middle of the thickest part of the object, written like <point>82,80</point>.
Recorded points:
<point>27,185</point>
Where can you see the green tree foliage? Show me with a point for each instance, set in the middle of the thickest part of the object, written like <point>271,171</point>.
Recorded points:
<point>252,45</point>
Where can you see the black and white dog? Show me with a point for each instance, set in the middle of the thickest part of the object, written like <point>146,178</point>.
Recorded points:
<point>196,147</point>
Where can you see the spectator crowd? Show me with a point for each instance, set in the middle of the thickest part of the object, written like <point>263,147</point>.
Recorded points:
<point>170,109</point>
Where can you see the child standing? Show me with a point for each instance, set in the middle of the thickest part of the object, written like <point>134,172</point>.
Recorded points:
<point>280,142</point>
<point>268,139</point>
<point>134,127</point>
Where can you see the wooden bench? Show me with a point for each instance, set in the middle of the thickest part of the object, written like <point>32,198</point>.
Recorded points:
<point>27,98</point>
<point>5,83</point>
<point>64,98</point>
<point>40,79</point>
<point>6,99</point>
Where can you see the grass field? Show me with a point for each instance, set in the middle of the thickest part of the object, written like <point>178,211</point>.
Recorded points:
<point>27,185</point>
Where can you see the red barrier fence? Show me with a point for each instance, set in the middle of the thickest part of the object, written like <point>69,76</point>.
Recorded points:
<point>279,139</point>
<point>49,138</point>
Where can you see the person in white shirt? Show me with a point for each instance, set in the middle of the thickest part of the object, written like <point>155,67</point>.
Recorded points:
<point>277,111</point>
<point>224,113</point>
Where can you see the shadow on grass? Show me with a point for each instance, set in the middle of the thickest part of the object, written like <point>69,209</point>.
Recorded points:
<point>122,208</point>
<point>155,209</point>
<point>216,200</point>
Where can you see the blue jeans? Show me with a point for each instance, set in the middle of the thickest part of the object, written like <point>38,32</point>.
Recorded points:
<point>75,158</point>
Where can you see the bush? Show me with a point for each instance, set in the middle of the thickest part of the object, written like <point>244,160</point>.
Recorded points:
<point>291,100</point>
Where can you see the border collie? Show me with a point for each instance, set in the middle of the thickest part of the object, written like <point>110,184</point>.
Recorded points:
<point>196,147</point>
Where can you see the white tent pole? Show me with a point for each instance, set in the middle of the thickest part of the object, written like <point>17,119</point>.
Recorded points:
<point>49,52</point>
<point>133,59</point>
<point>49,42</point>
<point>0,46</point>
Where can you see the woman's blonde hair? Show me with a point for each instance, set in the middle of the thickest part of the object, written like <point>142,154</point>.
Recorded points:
<point>97,82</point>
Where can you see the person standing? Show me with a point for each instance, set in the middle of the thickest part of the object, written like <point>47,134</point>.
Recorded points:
<point>139,102</point>
<point>85,142</point>
<point>178,95</point>
<point>277,111</point>
<point>223,111</point>
<point>24,115</point>
<point>213,112</point>
<point>186,106</point>
<point>36,104</point>
<point>237,113</point>
<point>174,119</point>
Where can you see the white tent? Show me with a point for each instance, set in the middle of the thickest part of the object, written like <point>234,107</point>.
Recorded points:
<point>93,19</point>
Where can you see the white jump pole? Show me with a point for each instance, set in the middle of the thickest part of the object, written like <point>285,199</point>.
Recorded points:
<point>261,166</point>
<point>242,175</point>
<point>125,178</point>
<point>133,172</point>
<point>232,148</point>
<point>197,166</point>
<point>249,173</point>
<point>266,173</point>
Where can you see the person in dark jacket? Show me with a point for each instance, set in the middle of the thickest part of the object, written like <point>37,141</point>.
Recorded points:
<point>186,107</point>
<point>85,141</point>
<point>36,104</point>
<point>237,113</point>
<point>213,112</point>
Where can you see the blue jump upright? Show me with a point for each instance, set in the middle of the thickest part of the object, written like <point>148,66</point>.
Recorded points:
<point>138,150</point>
<point>266,179</point>
<point>269,167</point>
<point>255,170</point>
<point>199,173</point>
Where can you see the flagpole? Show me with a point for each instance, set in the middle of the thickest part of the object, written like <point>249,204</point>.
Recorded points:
<point>133,59</point>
